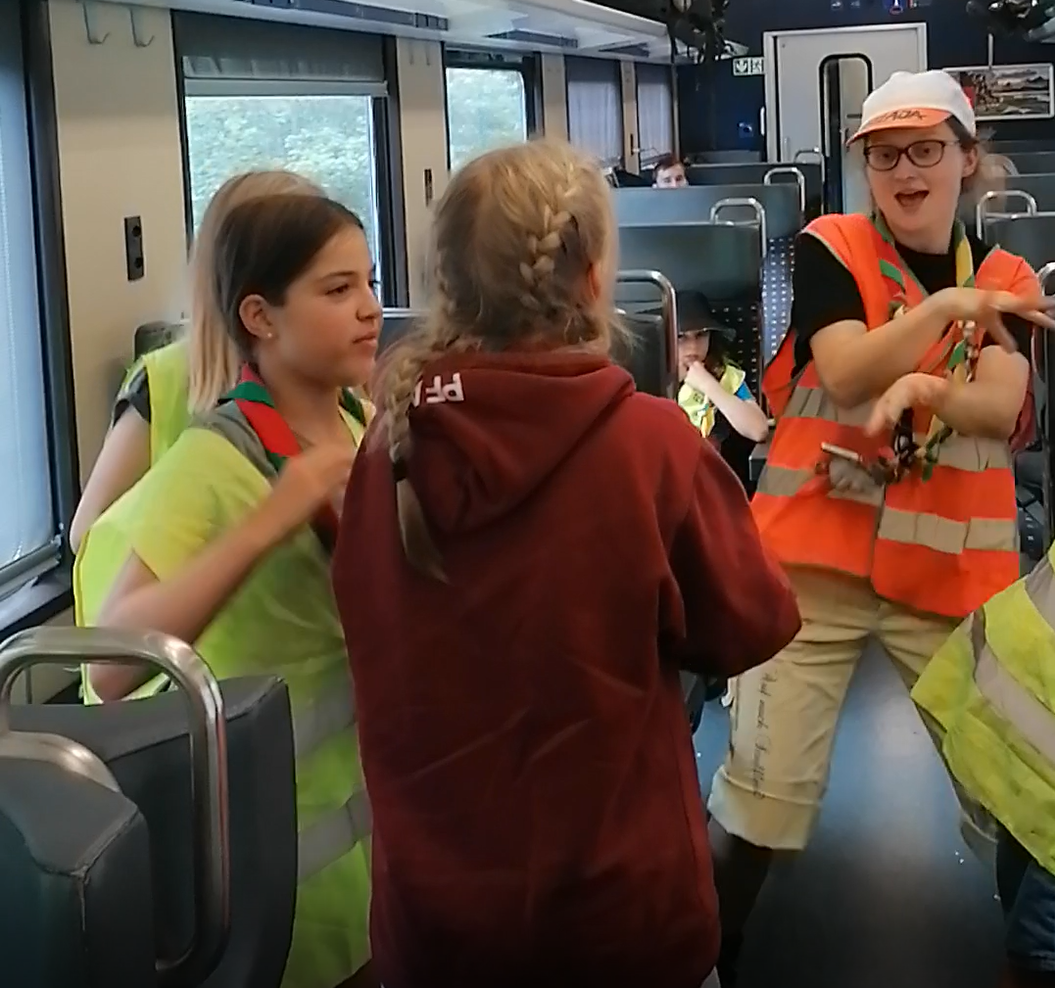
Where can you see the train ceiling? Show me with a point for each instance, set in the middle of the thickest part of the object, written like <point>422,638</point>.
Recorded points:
<point>572,27</point>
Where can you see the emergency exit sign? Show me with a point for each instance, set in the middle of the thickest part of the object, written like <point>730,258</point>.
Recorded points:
<point>749,66</point>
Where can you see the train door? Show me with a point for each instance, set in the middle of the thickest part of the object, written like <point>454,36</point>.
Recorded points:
<point>845,82</point>
<point>795,64</point>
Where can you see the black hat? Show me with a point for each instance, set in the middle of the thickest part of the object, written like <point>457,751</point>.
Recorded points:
<point>695,315</point>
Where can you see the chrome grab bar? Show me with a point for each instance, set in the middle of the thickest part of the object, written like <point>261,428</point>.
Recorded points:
<point>670,317</point>
<point>747,202</point>
<point>980,210</point>
<point>208,753</point>
<point>1044,274</point>
<point>800,181</point>
<point>818,154</point>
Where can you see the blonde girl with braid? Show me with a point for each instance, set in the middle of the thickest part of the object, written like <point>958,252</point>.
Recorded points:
<point>530,551</point>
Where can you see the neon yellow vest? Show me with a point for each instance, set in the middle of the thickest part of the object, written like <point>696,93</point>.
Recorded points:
<point>698,406</point>
<point>167,377</point>
<point>991,690</point>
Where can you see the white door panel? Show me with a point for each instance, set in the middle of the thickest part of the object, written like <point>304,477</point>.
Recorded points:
<point>794,75</point>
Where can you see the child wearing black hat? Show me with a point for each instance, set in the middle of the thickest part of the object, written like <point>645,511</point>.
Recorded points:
<point>713,389</point>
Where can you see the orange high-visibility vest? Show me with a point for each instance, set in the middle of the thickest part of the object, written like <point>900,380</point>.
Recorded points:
<point>944,545</point>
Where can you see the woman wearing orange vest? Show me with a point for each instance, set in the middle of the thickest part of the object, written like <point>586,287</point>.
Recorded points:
<point>888,494</point>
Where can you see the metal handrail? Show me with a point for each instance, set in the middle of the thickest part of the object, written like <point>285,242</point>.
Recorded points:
<point>980,210</point>
<point>747,202</point>
<point>819,155</point>
<point>670,316</point>
<point>208,754</point>
<point>800,181</point>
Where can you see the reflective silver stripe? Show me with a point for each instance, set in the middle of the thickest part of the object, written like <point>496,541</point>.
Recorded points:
<point>333,835</point>
<point>787,482</point>
<point>814,403</point>
<point>1040,588</point>
<point>314,724</point>
<point>1008,697</point>
<point>970,454</point>
<point>946,535</point>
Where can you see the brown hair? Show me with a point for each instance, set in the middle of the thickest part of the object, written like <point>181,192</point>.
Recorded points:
<point>213,360</point>
<point>668,160</point>
<point>514,239</point>
<point>263,246</point>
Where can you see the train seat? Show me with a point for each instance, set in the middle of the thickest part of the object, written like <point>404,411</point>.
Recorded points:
<point>134,847</point>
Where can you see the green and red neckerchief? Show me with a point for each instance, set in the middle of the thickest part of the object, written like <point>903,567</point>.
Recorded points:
<point>251,397</point>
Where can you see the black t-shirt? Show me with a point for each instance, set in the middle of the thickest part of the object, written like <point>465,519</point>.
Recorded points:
<point>134,395</point>
<point>825,292</point>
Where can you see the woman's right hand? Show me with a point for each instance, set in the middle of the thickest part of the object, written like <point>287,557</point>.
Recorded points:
<point>987,309</point>
<point>307,482</point>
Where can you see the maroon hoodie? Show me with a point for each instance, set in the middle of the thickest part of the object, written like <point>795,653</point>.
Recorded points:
<point>537,814</point>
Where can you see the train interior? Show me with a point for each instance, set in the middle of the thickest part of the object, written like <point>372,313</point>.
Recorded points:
<point>118,122</point>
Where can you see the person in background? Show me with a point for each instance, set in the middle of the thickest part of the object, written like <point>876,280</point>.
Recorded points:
<point>228,536</point>
<point>713,389</point>
<point>546,548</point>
<point>669,173</point>
<point>168,386</point>
<point>899,357</point>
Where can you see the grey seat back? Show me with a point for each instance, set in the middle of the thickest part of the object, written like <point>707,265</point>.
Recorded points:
<point>208,768</point>
<point>395,325</point>
<point>647,207</point>
<point>145,745</point>
<point>75,874</point>
<point>1033,162</point>
<point>754,173</point>
<point>1031,237</point>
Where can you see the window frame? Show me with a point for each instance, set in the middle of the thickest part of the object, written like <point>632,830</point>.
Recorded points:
<point>52,593</point>
<point>526,64</point>
<point>392,254</point>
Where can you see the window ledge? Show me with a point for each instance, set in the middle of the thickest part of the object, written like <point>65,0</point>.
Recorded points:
<point>47,598</point>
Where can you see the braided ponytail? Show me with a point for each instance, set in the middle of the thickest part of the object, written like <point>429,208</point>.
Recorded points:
<point>520,239</point>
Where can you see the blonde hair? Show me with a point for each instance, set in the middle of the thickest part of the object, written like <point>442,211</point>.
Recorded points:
<point>213,359</point>
<point>515,238</point>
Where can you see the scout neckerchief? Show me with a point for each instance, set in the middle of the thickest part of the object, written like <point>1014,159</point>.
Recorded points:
<point>699,408</point>
<point>252,399</point>
<point>957,350</point>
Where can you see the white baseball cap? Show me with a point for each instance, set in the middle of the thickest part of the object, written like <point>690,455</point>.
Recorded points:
<point>916,99</point>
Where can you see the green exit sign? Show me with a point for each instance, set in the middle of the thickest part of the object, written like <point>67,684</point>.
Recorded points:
<point>754,65</point>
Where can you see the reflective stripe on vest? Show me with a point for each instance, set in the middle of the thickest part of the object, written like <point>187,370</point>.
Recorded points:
<point>333,835</point>
<point>991,690</point>
<point>313,726</point>
<point>944,545</point>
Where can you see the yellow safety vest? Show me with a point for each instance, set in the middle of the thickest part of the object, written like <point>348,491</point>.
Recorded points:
<point>167,383</point>
<point>991,690</point>
<point>698,406</point>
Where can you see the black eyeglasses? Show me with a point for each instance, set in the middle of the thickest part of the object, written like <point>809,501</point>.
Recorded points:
<point>923,154</point>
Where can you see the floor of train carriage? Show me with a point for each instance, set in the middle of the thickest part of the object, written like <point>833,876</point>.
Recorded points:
<point>887,893</point>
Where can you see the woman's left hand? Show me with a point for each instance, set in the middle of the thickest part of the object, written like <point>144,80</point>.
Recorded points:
<point>910,391</point>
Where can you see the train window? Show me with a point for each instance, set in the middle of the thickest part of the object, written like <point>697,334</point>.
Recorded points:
<point>267,95</point>
<point>486,108</point>
<point>29,541</point>
<point>655,112</point>
<point>595,107</point>
<point>329,139</point>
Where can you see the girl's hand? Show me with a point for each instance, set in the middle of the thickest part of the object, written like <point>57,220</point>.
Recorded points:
<point>307,482</point>
<point>910,391</point>
<point>701,379</point>
<point>988,308</point>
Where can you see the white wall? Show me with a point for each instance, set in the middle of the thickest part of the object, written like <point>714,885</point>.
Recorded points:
<point>423,126</point>
<point>119,155</point>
